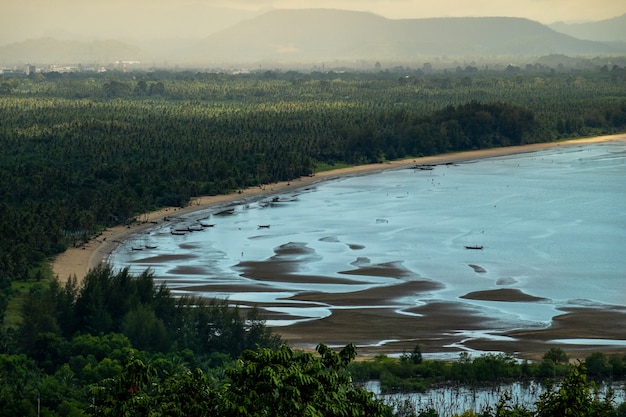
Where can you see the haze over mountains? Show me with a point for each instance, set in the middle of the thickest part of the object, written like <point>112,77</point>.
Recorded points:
<point>609,30</point>
<point>327,34</point>
<point>324,35</point>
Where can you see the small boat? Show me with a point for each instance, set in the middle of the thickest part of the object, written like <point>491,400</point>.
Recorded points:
<point>474,247</point>
<point>264,226</point>
<point>178,232</point>
<point>207,225</point>
<point>151,246</point>
<point>136,248</point>
<point>225,212</point>
<point>424,167</point>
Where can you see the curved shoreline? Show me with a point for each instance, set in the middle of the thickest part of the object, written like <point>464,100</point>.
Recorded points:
<point>79,261</point>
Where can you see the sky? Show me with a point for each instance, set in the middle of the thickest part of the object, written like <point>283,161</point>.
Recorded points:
<point>150,19</point>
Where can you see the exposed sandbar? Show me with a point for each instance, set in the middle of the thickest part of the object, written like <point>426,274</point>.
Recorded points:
<point>376,296</point>
<point>504,294</point>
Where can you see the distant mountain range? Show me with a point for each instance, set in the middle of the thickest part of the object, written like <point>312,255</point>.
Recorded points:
<point>609,30</point>
<point>321,34</point>
<point>328,34</point>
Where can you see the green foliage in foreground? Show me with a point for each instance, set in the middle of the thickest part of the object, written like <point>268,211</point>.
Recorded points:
<point>105,376</point>
<point>573,396</point>
<point>71,337</point>
<point>265,382</point>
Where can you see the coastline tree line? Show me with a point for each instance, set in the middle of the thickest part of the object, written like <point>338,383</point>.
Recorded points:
<point>84,152</point>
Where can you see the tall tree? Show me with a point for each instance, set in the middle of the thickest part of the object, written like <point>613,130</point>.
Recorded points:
<point>284,382</point>
<point>574,396</point>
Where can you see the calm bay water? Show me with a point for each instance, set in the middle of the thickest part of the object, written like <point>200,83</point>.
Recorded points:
<point>552,224</point>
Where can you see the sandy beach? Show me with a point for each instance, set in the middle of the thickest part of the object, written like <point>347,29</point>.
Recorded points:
<point>437,322</point>
<point>78,261</point>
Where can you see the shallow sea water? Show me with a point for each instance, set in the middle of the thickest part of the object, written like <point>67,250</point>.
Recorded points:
<point>552,224</point>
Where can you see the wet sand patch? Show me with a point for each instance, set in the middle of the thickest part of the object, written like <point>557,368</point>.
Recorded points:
<point>577,323</point>
<point>503,294</point>
<point>188,246</point>
<point>164,258</point>
<point>506,281</point>
<point>188,270</point>
<point>258,271</point>
<point>385,270</point>
<point>589,323</point>
<point>259,237</point>
<point>367,327</point>
<point>280,316</point>
<point>272,306</point>
<point>354,246</point>
<point>361,261</point>
<point>451,316</point>
<point>375,296</point>
<point>293,249</point>
<point>478,269</point>
<point>222,288</point>
<point>284,266</point>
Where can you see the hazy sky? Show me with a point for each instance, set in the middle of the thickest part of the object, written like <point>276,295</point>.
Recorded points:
<point>146,19</point>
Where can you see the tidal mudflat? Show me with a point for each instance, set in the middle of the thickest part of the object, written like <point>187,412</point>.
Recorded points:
<point>514,253</point>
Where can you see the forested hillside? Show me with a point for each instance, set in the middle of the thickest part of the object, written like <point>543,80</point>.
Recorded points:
<point>81,152</point>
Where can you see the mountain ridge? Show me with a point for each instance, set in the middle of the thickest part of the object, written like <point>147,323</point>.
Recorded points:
<point>313,35</point>
<point>330,34</point>
<point>607,30</point>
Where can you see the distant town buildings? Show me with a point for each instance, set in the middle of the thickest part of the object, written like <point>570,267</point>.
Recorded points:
<point>30,69</point>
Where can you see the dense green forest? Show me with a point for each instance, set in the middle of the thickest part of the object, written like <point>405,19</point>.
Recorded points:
<point>81,152</point>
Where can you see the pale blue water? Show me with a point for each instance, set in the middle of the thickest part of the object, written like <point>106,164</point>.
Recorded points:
<point>552,224</point>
